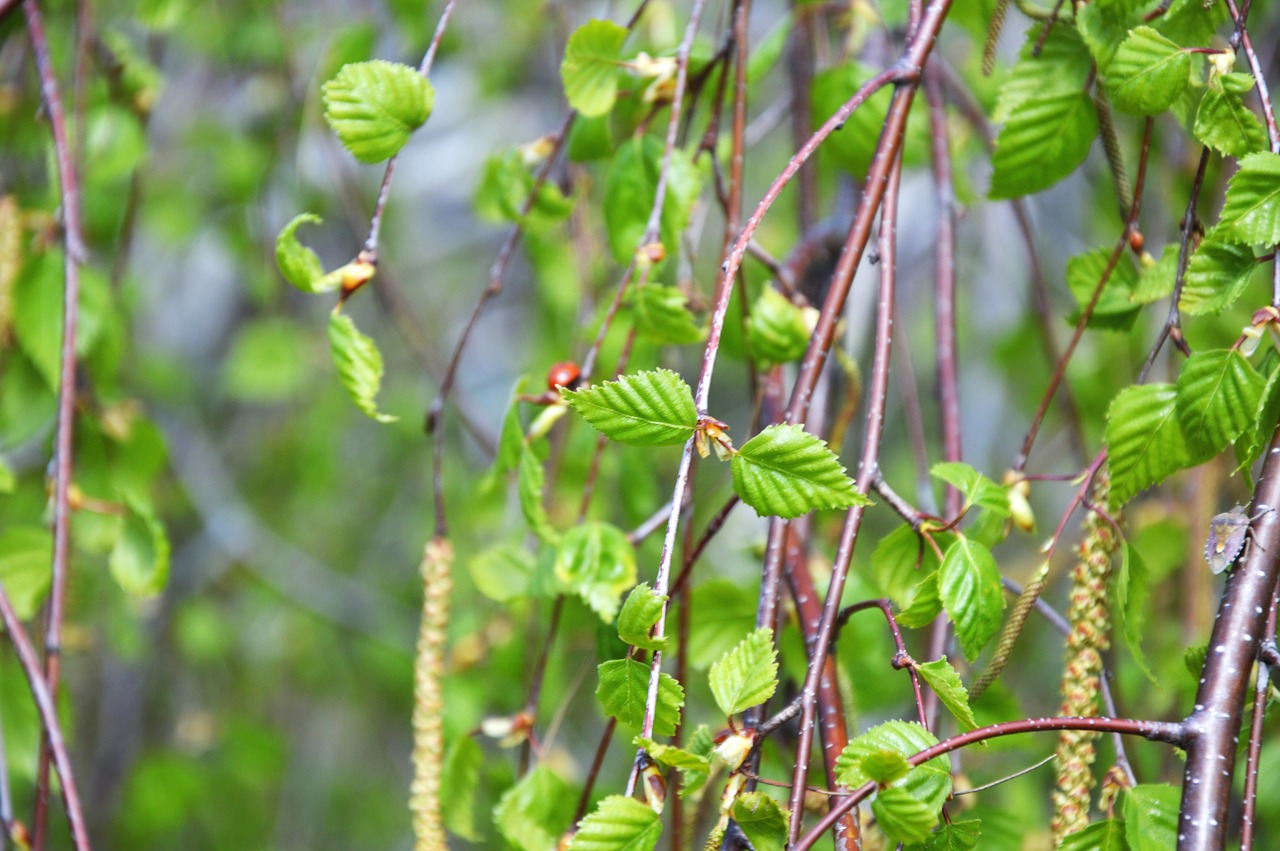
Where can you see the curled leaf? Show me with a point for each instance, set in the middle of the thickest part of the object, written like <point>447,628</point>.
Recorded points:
<point>359,364</point>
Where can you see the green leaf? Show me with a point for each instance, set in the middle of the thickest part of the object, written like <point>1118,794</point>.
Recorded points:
<point>511,438</point>
<point>624,688</point>
<point>590,67</point>
<point>298,264</point>
<point>902,817</point>
<point>1130,589</point>
<point>1218,393</point>
<point>669,756</point>
<point>139,561</point>
<point>359,365</point>
<point>375,106</point>
<point>26,559</point>
<point>977,488</point>
<point>597,562</point>
<point>1105,835</point>
<point>946,683</point>
<point>645,409</point>
<point>899,562</point>
<point>640,612</point>
<point>629,191</point>
<point>1217,274</point>
<point>1043,141</point>
<point>662,314</point>
<point>747,675</point>
<point>504,572</point>
<point>1115,308</point>
<point>1155,281</point>
<point>1061,64</point>
<point>926,604</point>
<point>854,146</point>
<point>777,331</point>
<point>885,766</point>
<point>763,820</point>
<point>531,479</point>
<point>955,836</point>
<point>1147,74</point>
<point>914,801</point>
<point>1145,439</point>
<point>726,613</point>
<point>1151,816</point>
<point>1103,27</point>
<point>533,814</point>
<point>1224,123</point>
<point>786,472</point>
<point>38,313</point>
<point>458,781</point>
<point>618,823</point>
<point>969,586</point>
<point>504,191</point>
<point>1264,422</point>
<point>1252,210</point>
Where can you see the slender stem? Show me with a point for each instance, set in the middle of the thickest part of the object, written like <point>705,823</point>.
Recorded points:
<point>1157,731</point>
<point>73,255</point>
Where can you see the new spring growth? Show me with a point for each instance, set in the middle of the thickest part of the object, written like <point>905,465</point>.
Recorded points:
<point>710,430</point>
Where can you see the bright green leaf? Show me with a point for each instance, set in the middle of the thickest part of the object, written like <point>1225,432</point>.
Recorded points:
<point>1151,816</point>
<point>885,766</point>
<point>1145,438</point>
<point>900,561</point>
<point>1147,74</point>
<point>359,365</point>
<point>375,106</point>
<point>590,67</point>
<point>954,836</point>
<point>946,684</point>
<point>596,561</point>
<point>1155,281</point>
<point>298,264</point>
<point>1130,589</point>
<point>26,559</point>
<point>37,305</point>
<point>726,613</point>
<point>1252,210</point>
<point>969,586</point>
<point>747,675</point>
<point>1103,27</point>
<point>777,331</point>
<point>1225,123</point>
<point>1115,308</point>
<point>629,191</point>
<point>640,612</point>
<point>901,816</point>
<point>763,820</point>
<point>1059,62</point>
<point>662,314</point>
<point>977,488</point>
<point>533,814</point>
<point>139,561</point>
<point>1043,141</point>
<point>926,603</point>
<point>503,573</point>
<point>530,481</point>
<point>458,781</point>
<point>644,409</point>
<point>786,472</point>
<point>505,186</point>
<point>1217,274</point>
<point>669,756</point>
<point>624,688</point>
<point>618,823</point>
<point>1106,835</point>
<point>914,800</point>
<point>511,438</point>
<point>1218,393</point>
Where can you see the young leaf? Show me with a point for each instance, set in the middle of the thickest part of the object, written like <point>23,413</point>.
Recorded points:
<point>1155,281</point>
<point>623,689</point>
<point>504,572</point>
<point>618,823</point>
<point>673,757</point>
<point>298,264</point>
<point>786,472</point>
<point>899,562</point>
<point>763,820</point>
<point>645,409</point>
<point>885,766</point>
<point>1103,27</point>
<point>1151,816</point>
<point>1252,210</point>
<point>139,561</point>
<point>777,331</point>
<point>1217,274</point>
<point>977,488</point>
<point>640,612</point>
<point>1147,74</point>
<point>1059,62</point>
<point>1044,140</point>
<point>1130,589</point>
<point>511,438</point>
<point>956,836</point>
<point>1115,308</point>
<point>375,106</point>
<point>903,817</point>
<point>945,682</point>
<point>662,314</point>
<point>926,603</point>
<point>1218,393</point>
<point>969,586</point>
<point>25,555</point>
<point>533,814</point>
<point>1224,123</point>
<point>590,67</point>
<point>629,192</point>
<point>504,191</point>
<point>1105,835</point>
<point>458,781</point>
<point>530,480</point>
<point>597,562</point>
<point>1145,439</point>
<point>726,612</point>
<point>747,675</point>
<point>359,365</point>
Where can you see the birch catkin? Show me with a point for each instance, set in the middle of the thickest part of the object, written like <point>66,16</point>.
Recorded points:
<point>428,697</point>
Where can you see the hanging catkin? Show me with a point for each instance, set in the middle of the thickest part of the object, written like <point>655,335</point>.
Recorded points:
<point>1090,625</point>
<point>428,696</point>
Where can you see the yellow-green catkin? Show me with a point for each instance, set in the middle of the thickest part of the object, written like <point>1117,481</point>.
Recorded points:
<point>428,697</point>
<point>1090,622</point>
